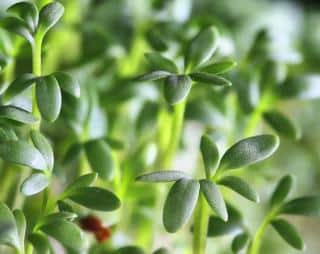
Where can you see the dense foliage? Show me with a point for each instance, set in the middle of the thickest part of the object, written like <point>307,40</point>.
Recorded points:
<point>131,127</point>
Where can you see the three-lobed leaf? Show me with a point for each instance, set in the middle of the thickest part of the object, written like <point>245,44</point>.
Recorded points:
<point>180,203</point>
<point>249,151</point>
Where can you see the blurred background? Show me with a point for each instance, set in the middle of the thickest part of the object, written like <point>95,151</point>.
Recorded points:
<point>102,43</point>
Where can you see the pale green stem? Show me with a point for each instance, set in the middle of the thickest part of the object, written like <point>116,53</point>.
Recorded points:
<point>201,221</point>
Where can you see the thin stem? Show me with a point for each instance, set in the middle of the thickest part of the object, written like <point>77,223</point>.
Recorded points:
<point>36,69</point>
<point>256,241</point>
<point>201,221</point>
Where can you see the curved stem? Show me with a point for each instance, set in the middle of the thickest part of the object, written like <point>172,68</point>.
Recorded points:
<point>201,221</point>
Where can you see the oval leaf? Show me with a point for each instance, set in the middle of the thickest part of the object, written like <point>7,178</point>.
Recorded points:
<point>154,75</point>
<point>17,115</point>
<point>21,225</point>
<point>201,48</point>
<point>158,62</point>
<point>67,83</point>
<point>240,242</point>
<point>40,243</point>
<point>249,151</point>
<point>282,124</point>
<point>23,153</point>
<point>26,11</point>
<point>163,176</point>
<point>238,185</point>
<point>288,233</point>
<point>19,85</point>
<point>44,147</point>
<point>49,15</point>
<point>308,206</point>
<point>82,181</point>
<point>34,184</point>
<point>100,158</point>
<point>208,78</point>
<point>95,198</point>
<point>17,26</point>
<point>48,97</point>
<point>282,190</point>
<point>161,251</point>
<point>129,249</point>
<point>214,198</point>
<point>176,88</point>
<point>210,155</point>
<point>218,67</point>
<point>180,203</point>
<point>65,232</point>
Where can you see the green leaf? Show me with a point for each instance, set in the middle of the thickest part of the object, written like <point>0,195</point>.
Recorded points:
<point>176,88</point>
<point>303,87</point>
<point>44,147</point>
<point>7,134</point>
<point>282,124</point>
<point>21,225</point>
<point>240,186</point>
<point>65,232</point>
<point>23,153</point>
<point>64,206</point>
<point>154,75</point>
<point>214,198</point>
<point>34,184</point>
<point>159,62</point>
<point>282,190</point>
<point>68,84</point>
<point>49,15</point>
<point>201,48</point>
<point>115,143</point>
<point>307,206</point>
<point>17,26</point>
<point>240,242</point>
<point>5,229</point>
<point>95,198</point>
<point>12,237</point>
<point>163,176</point>
<point>210,155</point>
<point>288,233</point>
<point>156,40</point>
<point>18,86</point>
<point>17,115</point>
<point>129,250</point>
<point>207,78</point>
<point>26,11</point>
<point>82,181</point>
<point>40,243</point>
<point>180,203</point>
<point>249,151</point>
<point>48,96</point>
<point>218,67</point>
<point>100,158</point>
<point>51,218</point>
<point>161,251</point>
<point>218,227</point>
<point>72,153</point>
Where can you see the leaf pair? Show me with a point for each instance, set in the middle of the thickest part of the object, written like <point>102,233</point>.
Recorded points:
<point>95,198</point>
<point>26,21</point>
<point>48,91</point>
<point>15,227</point>
<point>177,86</point>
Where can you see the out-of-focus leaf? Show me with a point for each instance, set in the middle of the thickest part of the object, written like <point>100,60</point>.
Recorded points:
<point>288,233</point>
<point>218,67</point>
<point>82,181</point>
<point>40,243</point>
<point>17,26</point>
<point>163,176</point>
<point>34,184</point>
<point>307,206</point>
<point>67,83</point>
<point>240,242</point>
<point>159,62</point>
<point>176,88</point>
<point>16,114</point>
<point>208,78</point>
<point>282,190</point>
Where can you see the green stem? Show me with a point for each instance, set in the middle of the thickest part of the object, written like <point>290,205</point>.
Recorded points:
<point>257,239</point>
<point>29,248</point>
<point>36,69</point>
<point>201,221</point>
<point>176,129</point>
